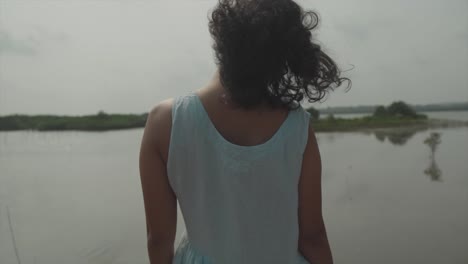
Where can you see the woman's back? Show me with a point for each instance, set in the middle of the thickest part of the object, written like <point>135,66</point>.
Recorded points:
<point>248,181</point>
<point>239,203</point>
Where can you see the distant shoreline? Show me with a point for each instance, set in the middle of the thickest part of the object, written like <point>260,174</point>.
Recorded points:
<point>109,122</point>
<point>369,109</point>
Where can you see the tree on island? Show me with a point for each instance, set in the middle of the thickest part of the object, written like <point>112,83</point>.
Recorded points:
<point>397,109</point>
<point>380,111</point>
<point>400,108</point>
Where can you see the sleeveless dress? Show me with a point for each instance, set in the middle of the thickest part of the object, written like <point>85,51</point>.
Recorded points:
<point>239,203</point>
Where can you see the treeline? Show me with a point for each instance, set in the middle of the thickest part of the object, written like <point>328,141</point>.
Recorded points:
<point>441,107</point>
<point>99,122</point>
<point>463,106</point>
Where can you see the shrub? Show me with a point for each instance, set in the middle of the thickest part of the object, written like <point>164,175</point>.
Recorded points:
<point>314,113</point>
<point>380,111</point>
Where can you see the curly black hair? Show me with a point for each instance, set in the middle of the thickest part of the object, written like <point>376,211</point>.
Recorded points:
<point>265,53</point>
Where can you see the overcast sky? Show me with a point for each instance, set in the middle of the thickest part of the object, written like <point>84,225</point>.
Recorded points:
<point>79,57</point>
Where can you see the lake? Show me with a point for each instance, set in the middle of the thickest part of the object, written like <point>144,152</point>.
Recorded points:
<point>75,197</point>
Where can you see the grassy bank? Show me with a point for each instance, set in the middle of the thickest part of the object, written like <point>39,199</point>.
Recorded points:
<point>99,122</point>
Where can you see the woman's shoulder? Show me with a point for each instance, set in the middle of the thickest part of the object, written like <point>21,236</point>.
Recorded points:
<point>161,120</point>
<point>161,113</point>
<point>159,123</point>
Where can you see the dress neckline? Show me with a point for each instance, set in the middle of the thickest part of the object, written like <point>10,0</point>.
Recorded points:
<point>228,143</point>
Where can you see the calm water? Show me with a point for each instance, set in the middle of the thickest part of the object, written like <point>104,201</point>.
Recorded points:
<point>451,115</point>
<point>74,197</point>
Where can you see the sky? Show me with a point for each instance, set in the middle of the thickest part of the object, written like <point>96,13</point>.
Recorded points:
<point>80,57</point>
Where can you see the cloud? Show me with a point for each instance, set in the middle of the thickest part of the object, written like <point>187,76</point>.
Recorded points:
<point>41,34</point>
<point>354,31</point>
<point>10,44</point>
<point>31,44</point>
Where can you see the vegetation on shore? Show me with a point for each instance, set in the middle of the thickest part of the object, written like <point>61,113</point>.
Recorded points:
<point>331,124</point>
<point>398,114</point>
<point>99,122</point>
<point>369,109</point>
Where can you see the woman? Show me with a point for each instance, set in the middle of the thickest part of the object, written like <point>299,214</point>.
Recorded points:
<point>240,155</point>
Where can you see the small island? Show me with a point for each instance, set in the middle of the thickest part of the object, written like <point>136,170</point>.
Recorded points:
<point>396,115</point>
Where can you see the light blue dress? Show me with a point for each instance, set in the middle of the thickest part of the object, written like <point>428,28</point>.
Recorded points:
<point>239,203</point>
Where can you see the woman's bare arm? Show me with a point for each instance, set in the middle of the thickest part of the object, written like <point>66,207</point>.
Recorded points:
<point>159,199</point>
<point>313,241</point>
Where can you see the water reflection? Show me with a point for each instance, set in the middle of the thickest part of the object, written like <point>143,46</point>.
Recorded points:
<point>433,170</point>
<point>398,137</point>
